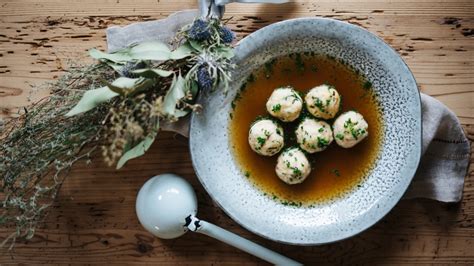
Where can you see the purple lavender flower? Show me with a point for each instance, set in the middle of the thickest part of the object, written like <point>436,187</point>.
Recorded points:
<point>199,31</point>
<point>227,36</point>
<point>204,78</point>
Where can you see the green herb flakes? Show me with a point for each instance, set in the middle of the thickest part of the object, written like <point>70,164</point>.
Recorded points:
<point>276,108</point>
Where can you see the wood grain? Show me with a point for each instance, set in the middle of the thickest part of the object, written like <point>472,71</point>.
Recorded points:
<point>94,221</point>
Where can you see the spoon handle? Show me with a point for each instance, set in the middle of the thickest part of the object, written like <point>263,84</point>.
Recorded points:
<point>243,244</point>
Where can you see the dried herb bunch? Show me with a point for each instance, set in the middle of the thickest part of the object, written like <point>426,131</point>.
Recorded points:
<point>38,148</point>
<point>158,84</point>
<point>114,107</point>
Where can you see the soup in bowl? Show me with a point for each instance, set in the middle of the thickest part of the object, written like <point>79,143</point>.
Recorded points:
<point>345,190</point>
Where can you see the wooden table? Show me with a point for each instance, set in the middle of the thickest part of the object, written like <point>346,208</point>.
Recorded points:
<point>94,218</point>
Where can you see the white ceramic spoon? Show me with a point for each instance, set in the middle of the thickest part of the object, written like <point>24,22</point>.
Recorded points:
<point>166,206</point>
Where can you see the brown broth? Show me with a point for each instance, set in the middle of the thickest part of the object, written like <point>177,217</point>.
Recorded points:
<point>335,171</point>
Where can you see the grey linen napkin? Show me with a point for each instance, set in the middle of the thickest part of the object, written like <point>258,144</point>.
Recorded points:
<point>445,155</point>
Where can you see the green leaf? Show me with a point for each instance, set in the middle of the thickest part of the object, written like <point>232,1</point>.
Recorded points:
<point>225,52</point>
<point>117,57</point>
<point>139,149</point>
<point>196,46</point>
<point>153,50</point>
<point>152,72</point>
<point>117,67</point>
<point>126,86</point>
<point>176,92</point>
<point>183,51</point>
<point>91,99</point>
<point>194,88</point>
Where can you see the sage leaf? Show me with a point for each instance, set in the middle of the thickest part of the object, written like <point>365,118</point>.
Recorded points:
<point>121,86</point>
<point>194,88</point>
<point>153,50</point>
<point>225,52</point>
<point>117,57</point>
<point>117,67</point>
<point>196,46</point>
<point>91,99</point>
<point>176,92</point>
<point>126,86</point>
<point>138,150</point>
<point>152,72</point>
<point>181,52</point>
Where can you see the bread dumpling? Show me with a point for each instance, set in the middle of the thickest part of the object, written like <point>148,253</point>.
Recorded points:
<point>323,101</point>
<point>285,104</point>
<point>292,166</point>
<point>313,135</point>
<point>349,129</point>
<point>266,137</point>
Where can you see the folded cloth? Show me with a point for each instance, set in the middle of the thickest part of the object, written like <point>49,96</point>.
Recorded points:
<point>445,157</point>
<point>163,30</point>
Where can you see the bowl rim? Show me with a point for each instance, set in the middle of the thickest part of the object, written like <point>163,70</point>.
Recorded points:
<point>395,200</point>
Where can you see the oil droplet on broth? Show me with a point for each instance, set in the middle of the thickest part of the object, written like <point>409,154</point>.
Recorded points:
<point>336,170</point>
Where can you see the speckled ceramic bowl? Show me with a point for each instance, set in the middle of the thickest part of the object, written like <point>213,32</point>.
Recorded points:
<point>398,95</point>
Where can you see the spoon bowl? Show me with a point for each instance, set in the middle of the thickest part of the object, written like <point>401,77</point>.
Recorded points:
<point>163,203</point>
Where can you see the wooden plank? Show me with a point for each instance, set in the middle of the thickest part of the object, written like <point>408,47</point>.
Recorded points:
<point>94,220</point>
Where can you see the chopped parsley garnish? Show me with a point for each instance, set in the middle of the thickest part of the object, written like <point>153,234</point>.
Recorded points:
<point>269,68</point>
<point>261,141</point>
<point>318,103</point>
<point>367,85</point>
<point>276,108</point>
<point>295,97</point>
<point>247,174</point>
<point>349,123</point>
<point>357,132</point>
<point>321,129</point>
<point>267,133</point>
<point>336,172</point>
<point>340,136</point>
<point>299,63</point>
<point>291,203</point>
<point>243,87</point>
<point>237,97</point>
<point>251,78</point>
<point>296,171</point>
<point>322,143</point>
